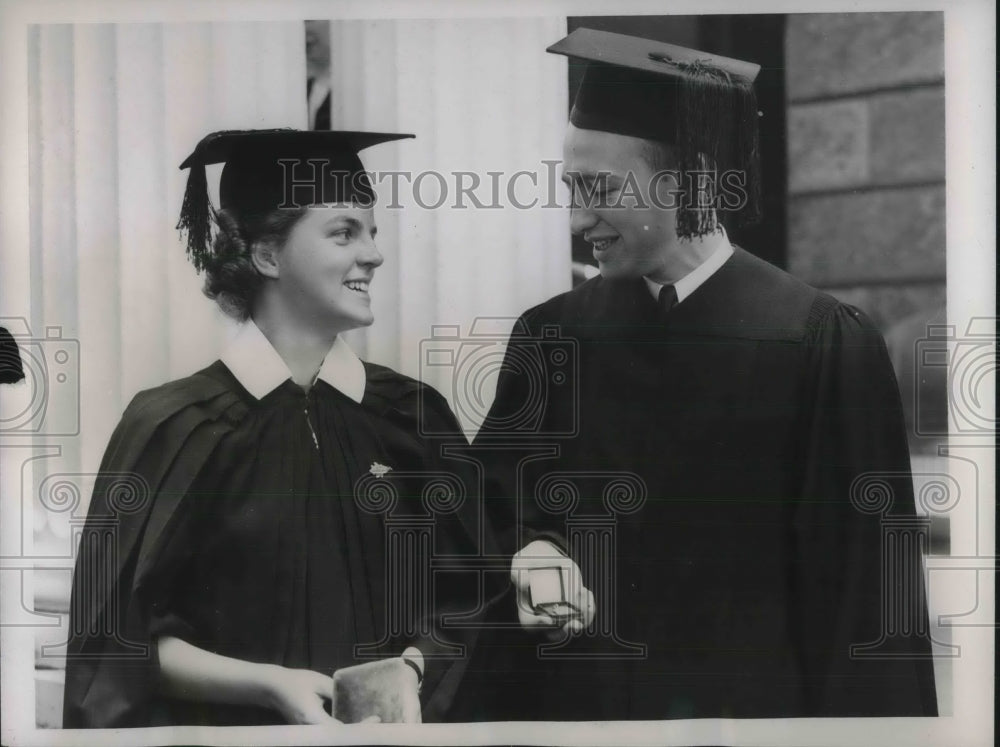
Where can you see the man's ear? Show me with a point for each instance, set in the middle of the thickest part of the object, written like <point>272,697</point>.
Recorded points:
<point>264,255</point>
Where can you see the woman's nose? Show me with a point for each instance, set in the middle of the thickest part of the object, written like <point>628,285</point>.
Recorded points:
<point>370,255</point>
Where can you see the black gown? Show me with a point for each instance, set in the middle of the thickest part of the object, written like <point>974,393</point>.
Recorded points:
<point>233,523</point>
<point>747,570</point>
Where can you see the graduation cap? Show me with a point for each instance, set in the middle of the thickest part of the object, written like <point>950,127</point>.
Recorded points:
<point>702,105</point>
<point>271,169</point>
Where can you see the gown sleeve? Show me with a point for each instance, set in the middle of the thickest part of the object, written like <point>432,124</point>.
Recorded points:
<point>855,486</point>
<point>173,566</point>
<point>161,445</point>
<point>505,429</point>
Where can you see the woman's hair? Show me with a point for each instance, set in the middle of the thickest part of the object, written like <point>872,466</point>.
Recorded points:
<point>231,279</point>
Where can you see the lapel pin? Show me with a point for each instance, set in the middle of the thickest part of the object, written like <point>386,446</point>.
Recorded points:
<point>379,470</point>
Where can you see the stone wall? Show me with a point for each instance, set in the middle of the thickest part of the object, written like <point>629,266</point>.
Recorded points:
<point>866,154</point>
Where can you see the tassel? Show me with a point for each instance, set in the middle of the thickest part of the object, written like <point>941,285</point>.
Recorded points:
<point>196,217</point>
<point>746,142</point>
<point>716,131</point>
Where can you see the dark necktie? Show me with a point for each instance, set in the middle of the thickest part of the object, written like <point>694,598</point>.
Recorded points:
<point>666,299</point>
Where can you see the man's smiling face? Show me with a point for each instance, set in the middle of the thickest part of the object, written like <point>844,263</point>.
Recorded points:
<point>630,229</point>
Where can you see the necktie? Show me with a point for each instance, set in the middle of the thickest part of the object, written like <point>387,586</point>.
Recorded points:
<point>666,299</point>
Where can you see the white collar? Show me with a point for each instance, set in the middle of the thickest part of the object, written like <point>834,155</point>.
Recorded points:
<point>689,283</point>
<point>260,369</point>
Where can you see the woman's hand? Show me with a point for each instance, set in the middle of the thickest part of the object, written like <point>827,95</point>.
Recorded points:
<point>193,673</point>
<point>300,695</point>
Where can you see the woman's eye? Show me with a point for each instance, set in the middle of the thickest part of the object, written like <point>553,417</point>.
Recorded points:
<point>341,235</point>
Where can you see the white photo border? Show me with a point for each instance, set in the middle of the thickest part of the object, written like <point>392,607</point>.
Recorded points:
<point>971,264</point>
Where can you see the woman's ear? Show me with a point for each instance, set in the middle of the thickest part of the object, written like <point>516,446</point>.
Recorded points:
<point>264,255</point>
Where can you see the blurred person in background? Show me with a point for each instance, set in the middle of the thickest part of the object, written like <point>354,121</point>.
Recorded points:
<point>319,91</point>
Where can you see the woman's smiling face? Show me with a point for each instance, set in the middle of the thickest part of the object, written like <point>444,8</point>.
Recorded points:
<point>326,265</point>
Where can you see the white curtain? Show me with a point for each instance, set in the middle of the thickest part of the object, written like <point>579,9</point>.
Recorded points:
<point>481,96</point>
<point>113,110</point>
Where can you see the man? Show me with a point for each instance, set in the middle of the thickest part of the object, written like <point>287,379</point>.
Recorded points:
<point>735,410</point>
<point>318,86</point>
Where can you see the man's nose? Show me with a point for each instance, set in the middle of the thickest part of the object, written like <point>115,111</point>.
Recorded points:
<point>581,219</point>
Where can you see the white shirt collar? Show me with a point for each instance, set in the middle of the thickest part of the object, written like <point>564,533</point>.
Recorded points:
<point>257,366</point>
<point>689,283</point>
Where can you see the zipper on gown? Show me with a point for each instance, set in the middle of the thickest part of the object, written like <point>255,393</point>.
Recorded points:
<point>312,431</point>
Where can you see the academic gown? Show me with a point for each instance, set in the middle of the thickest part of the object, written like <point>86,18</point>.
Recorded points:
<point>743,416</point>
<point>238,531</point>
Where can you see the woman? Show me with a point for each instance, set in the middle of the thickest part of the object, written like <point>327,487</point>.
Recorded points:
<point>243,571</point>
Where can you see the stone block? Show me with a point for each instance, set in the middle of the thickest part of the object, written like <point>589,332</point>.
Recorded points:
<point>841,53</point>
<point>868,236</point>
<point>907,135</point>
<point>827,145</point>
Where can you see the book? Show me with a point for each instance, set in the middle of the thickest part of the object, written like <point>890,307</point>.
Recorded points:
<point>387,688</point>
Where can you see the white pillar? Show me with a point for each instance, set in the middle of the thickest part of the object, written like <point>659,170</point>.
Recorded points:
<point>480,95</point>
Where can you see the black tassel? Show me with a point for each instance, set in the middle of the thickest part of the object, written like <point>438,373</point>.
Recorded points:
<point>716,131</point>
<point>196,217</point>
<point>11,370</point>
<point>746,142</point>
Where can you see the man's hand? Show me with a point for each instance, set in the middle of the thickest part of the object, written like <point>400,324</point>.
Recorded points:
<point>542,554</point>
